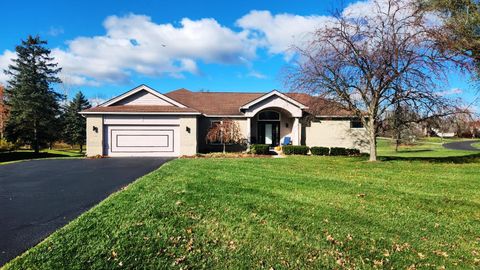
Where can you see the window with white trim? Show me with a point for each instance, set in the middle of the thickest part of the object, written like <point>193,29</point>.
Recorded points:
<point>269,116</point>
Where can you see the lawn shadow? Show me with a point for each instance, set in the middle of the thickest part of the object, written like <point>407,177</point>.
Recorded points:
<point>16,156</point>
<point>473,158</point>
<point>415,151</point>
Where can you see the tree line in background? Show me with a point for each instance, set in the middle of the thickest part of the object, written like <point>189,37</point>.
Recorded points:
<point>38,116</point>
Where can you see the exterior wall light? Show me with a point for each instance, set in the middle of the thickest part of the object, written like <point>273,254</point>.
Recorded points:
<point>95,129</point>
<point>187,129</point>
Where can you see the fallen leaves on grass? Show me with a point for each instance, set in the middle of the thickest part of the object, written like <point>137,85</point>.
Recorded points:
<point>401,247</point>
<point>440,253</point>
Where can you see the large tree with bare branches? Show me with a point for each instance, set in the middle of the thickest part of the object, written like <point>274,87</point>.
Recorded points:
<point>371,63</point>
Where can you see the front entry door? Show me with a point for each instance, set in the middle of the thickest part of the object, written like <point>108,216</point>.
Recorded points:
<point>269,133</point>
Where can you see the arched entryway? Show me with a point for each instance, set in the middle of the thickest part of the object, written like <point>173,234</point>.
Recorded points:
<point>272,126</point>
<point>268,127</point>
<point>288,126</point>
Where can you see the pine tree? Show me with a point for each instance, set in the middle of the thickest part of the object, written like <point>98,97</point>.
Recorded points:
<point>75,124</point>
<point>34,107</point>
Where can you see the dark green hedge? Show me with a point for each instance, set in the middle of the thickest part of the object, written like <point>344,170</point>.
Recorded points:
<point>260,149</point>
<point>353,152</point>
<point>295,149</point>
<point>340,151</point>
<point>320,151</point>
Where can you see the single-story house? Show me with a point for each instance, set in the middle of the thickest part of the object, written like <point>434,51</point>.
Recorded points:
<point>144,122</point>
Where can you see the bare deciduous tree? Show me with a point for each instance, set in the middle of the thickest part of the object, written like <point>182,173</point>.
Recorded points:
<point>225,132</point>
<point>370,63</point>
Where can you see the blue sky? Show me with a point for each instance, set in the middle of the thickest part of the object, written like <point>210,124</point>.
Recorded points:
<point>208,43</point>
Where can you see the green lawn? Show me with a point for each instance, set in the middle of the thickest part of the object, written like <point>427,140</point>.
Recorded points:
<point>291,213</point>
<point>477,145</point>
<point>426,148</point>
<point>19,155</point>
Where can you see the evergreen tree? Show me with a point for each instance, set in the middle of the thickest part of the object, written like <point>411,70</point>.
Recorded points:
<point>75,124</point>
<point>34,107</point>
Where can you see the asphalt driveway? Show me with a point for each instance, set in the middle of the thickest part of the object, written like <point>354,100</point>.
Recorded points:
<point>463,145</point>
<point>37,197</point>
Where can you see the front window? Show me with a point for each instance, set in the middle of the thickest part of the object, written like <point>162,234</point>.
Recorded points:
<point>356,123</point>
<point>268,116</point>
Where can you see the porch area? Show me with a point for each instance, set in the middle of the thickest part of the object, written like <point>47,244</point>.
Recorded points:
<point>273,126</point>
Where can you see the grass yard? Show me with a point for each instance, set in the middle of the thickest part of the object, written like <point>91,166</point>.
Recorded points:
<point>19,155</point>
<point>292,213</point>
<point>476,145</point>
<point>426,148</point>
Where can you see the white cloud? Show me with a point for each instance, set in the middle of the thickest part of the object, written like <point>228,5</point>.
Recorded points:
<point>5,61</point>
<point>256,74</point>
<point>453,91</point>
<point>134,44</point>
<point>278,33</point>
<point>96,101</point>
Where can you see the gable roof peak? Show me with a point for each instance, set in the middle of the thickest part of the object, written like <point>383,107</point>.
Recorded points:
<point>277,93</point>
<point>142,87</point>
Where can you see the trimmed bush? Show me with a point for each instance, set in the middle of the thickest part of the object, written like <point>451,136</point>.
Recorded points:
<point>320,151</point>
<point>295,149</point>
<point>338,151</point>
<point>260,149</point>
<point>353,152</point>
<point>6,146</point>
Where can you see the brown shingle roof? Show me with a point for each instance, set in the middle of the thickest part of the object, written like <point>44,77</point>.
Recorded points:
<point>225,103</point>
<point>141,108</point>
<point>213,103</point>
<point>319,106</point>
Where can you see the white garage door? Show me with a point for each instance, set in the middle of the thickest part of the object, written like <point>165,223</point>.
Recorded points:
<point>142,141</point>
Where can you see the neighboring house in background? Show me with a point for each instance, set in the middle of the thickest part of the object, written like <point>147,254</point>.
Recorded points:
<point>3,112</point>
<point>143,122</point>
<point>446,134</point>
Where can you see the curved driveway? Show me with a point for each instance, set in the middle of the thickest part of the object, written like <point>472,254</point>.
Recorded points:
<point>464,145</point>
<point>37,197</point>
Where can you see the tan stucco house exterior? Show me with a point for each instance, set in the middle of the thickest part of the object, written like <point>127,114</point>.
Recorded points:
<point>144,122</point>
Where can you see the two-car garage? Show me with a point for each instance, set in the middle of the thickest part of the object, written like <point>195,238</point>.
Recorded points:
<point>141,122</point>
<point>161,140</point>
<point>141,135</point>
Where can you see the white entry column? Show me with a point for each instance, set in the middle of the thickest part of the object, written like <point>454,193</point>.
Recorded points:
<point>248,132</point>
<point>296,131</point>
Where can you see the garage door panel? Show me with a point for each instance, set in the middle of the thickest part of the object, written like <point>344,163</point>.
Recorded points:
<point>142,141</point>
<point>124,140</point>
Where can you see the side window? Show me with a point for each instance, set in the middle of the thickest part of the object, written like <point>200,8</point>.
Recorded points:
<point>356,123</point>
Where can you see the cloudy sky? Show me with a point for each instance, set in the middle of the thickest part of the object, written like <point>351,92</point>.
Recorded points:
<point>108,47</point>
